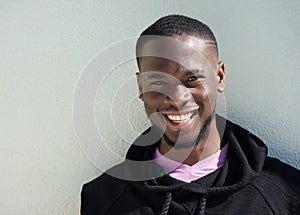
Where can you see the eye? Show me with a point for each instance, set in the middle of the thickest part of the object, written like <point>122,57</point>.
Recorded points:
<point>194,78</point>
<point>158,83</point>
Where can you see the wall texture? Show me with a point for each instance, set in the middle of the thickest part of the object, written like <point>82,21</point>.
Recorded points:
<point>46,45</point>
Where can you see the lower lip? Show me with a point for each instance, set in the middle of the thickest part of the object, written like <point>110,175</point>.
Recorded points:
<point>180,126</point>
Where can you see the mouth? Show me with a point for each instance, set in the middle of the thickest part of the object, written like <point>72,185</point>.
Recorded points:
<point>181,120</point>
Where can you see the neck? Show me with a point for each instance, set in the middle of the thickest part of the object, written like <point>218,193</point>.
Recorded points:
<point>207,146</point>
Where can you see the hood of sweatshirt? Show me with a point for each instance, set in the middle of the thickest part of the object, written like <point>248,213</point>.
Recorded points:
<point>245,158</point>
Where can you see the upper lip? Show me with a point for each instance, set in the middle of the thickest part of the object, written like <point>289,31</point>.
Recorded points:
<point>179,112</point>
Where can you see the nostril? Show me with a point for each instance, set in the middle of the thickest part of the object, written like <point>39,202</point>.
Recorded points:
<point>182,105</point>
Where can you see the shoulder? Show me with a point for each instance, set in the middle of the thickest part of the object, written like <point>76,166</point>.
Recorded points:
<point>99,194</point>
<point>282,170</point>
<point>279,185</point>
<point>281,175</point>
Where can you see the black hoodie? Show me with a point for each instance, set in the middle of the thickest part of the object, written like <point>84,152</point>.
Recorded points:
<point>248,183</point>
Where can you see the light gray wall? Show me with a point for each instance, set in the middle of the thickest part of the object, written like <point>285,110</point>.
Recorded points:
<point>46,45</point>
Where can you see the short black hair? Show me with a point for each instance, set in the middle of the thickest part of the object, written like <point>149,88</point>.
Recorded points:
<point>173,25</point>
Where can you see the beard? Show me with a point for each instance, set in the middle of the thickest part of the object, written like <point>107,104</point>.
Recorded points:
<point>194,142</point>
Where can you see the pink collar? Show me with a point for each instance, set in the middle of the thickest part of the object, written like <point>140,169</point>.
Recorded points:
<point>188,173</point>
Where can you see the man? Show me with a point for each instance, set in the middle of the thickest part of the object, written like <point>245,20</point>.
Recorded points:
<point>191,161</point>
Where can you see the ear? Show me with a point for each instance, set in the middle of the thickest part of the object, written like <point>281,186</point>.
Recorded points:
<point>221,76</point>
<point>139,83</point>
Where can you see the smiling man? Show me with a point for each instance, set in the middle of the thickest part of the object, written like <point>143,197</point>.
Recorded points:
<point>191,161</point>
<point>179,89</point>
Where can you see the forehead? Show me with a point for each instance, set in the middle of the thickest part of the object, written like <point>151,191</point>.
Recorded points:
<point>157,64</point>
<point>157,68</point>
<point>177,53</point>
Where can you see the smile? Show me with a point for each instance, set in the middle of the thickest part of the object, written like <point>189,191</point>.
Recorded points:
<point>179,119</point>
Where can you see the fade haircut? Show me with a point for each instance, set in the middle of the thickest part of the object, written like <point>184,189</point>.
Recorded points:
<point>176,25</point>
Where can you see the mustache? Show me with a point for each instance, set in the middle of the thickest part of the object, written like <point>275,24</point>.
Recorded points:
<point>179,109</point>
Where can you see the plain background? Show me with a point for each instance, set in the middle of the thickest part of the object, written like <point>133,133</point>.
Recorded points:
<point>45,46</point>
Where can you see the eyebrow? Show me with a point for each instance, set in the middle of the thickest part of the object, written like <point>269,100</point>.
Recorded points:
<point>156,76</point>
<point>186,73</point>
<point>193,71</point>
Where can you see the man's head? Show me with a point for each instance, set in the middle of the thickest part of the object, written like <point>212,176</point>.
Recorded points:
<point>177,25</point>
<point>179,78</point>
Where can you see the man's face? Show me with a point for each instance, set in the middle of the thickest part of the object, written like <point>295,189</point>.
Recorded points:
<point>179,87</point>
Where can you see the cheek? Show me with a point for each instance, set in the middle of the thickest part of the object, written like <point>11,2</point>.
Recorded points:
<point>204,96</point>
<point>151,102</point>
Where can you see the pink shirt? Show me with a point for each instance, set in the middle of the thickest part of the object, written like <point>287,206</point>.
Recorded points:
<point>188,173</point>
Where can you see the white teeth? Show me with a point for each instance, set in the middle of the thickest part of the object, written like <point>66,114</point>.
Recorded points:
<point>179,118</point>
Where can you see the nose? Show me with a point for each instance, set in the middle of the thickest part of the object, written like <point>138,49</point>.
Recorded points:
<point>178,96</point>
